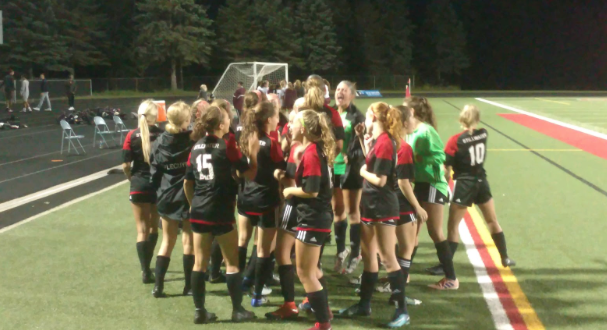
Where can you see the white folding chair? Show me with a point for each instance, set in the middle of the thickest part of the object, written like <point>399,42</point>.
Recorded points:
<point>69,135</point>
<point>120,127</point>
<point>102,130</point>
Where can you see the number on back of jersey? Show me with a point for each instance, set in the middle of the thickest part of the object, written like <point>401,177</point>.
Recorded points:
<point>477,154</point>
<point>203,163</point>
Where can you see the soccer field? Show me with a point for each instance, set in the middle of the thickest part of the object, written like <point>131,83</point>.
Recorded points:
<point>77,268</point>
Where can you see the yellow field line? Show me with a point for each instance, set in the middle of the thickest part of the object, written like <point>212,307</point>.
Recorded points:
<point>546,100</point>
<point>516,292</point>
<point>556,150</point>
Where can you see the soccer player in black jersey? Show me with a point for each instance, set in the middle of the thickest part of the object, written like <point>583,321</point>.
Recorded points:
<point>259,199</point>
<point>168,161</point>
<point>136,149</point>
<point>208,187</point>
<point>380,211</point>
<point>466,153</point>
<point>312,197</point>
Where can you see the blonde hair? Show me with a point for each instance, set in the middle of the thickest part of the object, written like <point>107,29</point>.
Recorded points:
<point>297,83</point>
<point>318,128</point>
<point>283,84</point>
<point>203,87</point>
<point>148,111</point>
<point>315,98</point>
<point>223,104</point>
<point>469,116</point>
<point>390,118</point>
<point>177,114</point>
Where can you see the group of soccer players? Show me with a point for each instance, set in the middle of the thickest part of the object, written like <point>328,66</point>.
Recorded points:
<point>291,177</point>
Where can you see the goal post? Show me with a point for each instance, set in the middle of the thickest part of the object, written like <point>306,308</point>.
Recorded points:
<point>250,74</point>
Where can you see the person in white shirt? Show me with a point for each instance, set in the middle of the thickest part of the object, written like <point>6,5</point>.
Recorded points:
<point>264,87</point>
<point>25,94</point>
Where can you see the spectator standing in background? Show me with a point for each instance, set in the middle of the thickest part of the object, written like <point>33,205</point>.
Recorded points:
<point>264,87</point>
<point>9,89</point>
<point>202,94</point>
<point>238,98</point>
<point>299,89</point>
<point>70,91</point>
<point>281,93</point>
<point>290,96</point>
<point>25,93</point>
<point>43,94</point>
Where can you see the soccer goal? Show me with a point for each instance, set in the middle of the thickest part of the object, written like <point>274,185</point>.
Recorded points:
<point>250,74</point>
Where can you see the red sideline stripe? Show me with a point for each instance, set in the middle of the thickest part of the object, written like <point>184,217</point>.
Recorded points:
<point>141,193</point>
<point>586,142</point>
<point>516,320</point>
<point>314,229</point>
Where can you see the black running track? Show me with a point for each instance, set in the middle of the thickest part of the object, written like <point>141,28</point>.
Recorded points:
<point>30,161</point>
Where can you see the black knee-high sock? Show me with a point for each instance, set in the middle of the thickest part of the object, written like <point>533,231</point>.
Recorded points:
<point>355,240</point>
<point>216,259</point>
<point>320,305</point>
<point>340,235</point>
<point>413,254</point>
<point>198,289</point>
<point>397,285</point>
<point>453,247</point>
<point>188,265</point>
<point>272,265</point>
<point>262,268</point>
<point>405,266</point>
<point>152,239</point>
<point>287,282</point>
<point>446,259</point>
<point>500,242</point>
<point>142,253</point>
<point>162,265</point>
<point>234,282</point>
<point>367,285</point>
<point>242,258</point>
<point>250,271</point>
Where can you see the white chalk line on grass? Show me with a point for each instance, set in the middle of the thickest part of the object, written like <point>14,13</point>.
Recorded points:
<point>54,190</point>
<point>501,320</point>
<point>550,120</point>
<point>62,206</point>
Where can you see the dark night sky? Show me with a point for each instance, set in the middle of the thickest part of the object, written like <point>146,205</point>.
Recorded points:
<point>527,44</point>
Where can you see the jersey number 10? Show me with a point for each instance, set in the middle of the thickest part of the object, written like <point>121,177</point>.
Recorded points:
<point>202,162</point>
<point>477,154</point>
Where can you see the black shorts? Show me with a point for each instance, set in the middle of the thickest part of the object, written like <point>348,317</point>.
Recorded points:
<point>266,219</point>
<point>312,236</point>
<point>147,198</point>
<point>141,190</point>
<point>405,218</point>
<point>351,180</point>
<point>469,191</point>
<point>288,221</point>
<point>336,180</point>
<point>215,229</point>
<point>425,192</point>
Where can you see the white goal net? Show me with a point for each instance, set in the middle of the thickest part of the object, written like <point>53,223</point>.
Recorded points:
<point>250,74</point>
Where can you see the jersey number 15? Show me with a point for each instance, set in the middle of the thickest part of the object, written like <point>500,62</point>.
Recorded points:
<point>204,162</point>
<point>477,154</point>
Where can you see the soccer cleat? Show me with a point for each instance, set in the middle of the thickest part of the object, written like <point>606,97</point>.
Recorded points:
<point>9,110</point>
<point>355,310</point>
<point>321,326</point>
<point>507,262</point>
<point>24,110</point>
<point>436,270</point>
<point>49,109</point>
<point>305,305</point>
<point>242,316</point>
<point>288,311</point>
<point>147,277</point>
<point>219,279</point>
<point>158,292</point>
<point>356,280</point>
<point>400,319</point>
<point>445,284</point>
<point>71,109</point>
<point>258,302</point>
<point>201,316</point>
<point>187,291</point>
<point>352,264</point>
<point>29,109</point>
<point>408,301</point>
<point>273,281</point>
<point>37,109</point>
<point>339,260</point>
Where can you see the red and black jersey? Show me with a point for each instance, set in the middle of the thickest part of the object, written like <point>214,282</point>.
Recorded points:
<point>405,170</point>
<point>132,151</point>
<point>338,126</point>
<point>313,176</point>
<point>381,203</point>
<point>210,167</point>
<point>291,163</point>
<point>261,194</point>
<point>466,152</point>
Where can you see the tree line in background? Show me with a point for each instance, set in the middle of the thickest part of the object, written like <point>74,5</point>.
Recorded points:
<point>122,38</point>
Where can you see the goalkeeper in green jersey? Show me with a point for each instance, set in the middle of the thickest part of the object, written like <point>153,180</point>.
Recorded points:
<point>431,188</point>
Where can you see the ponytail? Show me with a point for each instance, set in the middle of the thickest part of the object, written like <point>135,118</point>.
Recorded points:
<point>390,118</point>
<point>315,98</point>
<point>253,121</point>
<point>318,128</point>
<point>147,109</point>
<point>422,110</point>
<point>177,114</point>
